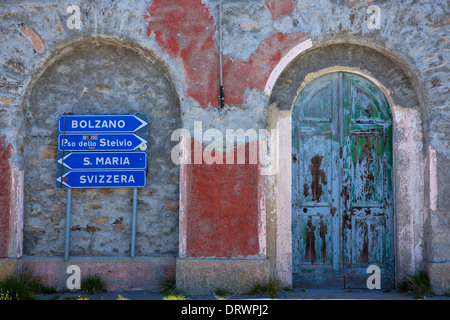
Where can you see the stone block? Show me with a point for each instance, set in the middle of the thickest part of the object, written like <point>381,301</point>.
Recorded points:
<point>439,274</point>
<point>8,267</point>
<point>204,276</point>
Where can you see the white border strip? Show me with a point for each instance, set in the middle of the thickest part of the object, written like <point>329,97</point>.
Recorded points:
<point>295,51</point>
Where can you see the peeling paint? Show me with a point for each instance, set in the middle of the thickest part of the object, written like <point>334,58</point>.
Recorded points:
<point>279,8</point>
<point>191,38</point>
<point>318,177</point>
<point>32,36</point>
<point>5,196</point>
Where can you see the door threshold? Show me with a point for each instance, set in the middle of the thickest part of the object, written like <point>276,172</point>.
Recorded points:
<point>323,281</point>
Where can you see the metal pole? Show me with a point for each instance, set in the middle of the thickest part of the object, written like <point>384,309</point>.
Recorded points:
<point>222,93</point>
<point>69,204</point>
<point>133,223</point>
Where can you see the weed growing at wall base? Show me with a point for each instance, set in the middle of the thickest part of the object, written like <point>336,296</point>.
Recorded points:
<point>93,284</point>
<point>419,285</point>
<point>23,286</point>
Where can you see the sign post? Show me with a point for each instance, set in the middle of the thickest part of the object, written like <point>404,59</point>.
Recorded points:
<point>102,151</point>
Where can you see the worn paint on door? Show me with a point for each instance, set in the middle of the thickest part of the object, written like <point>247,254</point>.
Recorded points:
<point>342,204</point>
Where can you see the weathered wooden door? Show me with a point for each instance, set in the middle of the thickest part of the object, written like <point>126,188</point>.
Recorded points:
<point>342,204</point>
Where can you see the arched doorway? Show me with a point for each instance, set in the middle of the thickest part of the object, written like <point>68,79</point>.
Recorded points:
<point>342,191</point>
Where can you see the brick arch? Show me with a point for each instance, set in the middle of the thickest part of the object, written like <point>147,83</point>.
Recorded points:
<point>398,83</point>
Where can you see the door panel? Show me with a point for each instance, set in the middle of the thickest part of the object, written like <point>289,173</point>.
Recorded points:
<point>342,164</point>
<point>316,246</point>
<point>367,173</point>
<point>368,232</point>
<point>315,167</point>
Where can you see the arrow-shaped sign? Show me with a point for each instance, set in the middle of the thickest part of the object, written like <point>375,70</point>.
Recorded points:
<point>103,160</point>
<point>102,123</point>
<point>101,142</point>
<point>102,179</point>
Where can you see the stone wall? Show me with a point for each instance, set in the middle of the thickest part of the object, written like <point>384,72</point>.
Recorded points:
<point>161,57</point>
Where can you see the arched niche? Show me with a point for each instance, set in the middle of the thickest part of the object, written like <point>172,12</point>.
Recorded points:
<point>100,76</point>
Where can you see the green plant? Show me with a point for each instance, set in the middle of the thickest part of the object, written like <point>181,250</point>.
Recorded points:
<point>5,295</point>
<point>93,284</point>
<point>272,288</point>
<point>77,298</point>
<point>36,286</point>
<point>120,297</point>
<point>221,292</point>
<point>174,297</point>
<point>169,287</point>
<point>15,288</point>
<point>289,288</point>
<point>22,286</point>
<point>419,285</point>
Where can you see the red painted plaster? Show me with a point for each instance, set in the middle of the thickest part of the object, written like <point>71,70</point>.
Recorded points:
<point>185,30</point>
<point>221,215</point>
<point>240,75</point>
<point>5,195</point>
<point>222,211</point>
<point>279,8</point>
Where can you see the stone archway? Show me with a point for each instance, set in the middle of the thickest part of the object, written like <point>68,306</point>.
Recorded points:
<point>100,76</point>
<point>393,78</point>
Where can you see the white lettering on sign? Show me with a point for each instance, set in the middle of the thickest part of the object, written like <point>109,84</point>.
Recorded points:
<point>67,143</point>
<point>106,178</point>
<point>105,161</point>
<point>87,144</point>
<point>98,124</point>
<point>115,143</point>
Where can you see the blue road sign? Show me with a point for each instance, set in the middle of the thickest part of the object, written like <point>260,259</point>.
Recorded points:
<point>101,142</point>
<point>103,160</point>
<point>102,123</point>
<point>102,179</point>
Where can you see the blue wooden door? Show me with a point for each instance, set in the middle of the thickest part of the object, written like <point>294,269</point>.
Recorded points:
<point>342,204</point>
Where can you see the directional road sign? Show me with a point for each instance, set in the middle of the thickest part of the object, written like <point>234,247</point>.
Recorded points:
<point>102,123</point>
<point>103,160</point>
<point>102,179</point>
<point>101,142</point>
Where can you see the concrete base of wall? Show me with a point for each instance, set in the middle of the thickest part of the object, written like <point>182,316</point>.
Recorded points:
<point>439,274</point>
<point>8,267</point>
<point>204,276</point>
<point>120,273</point>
